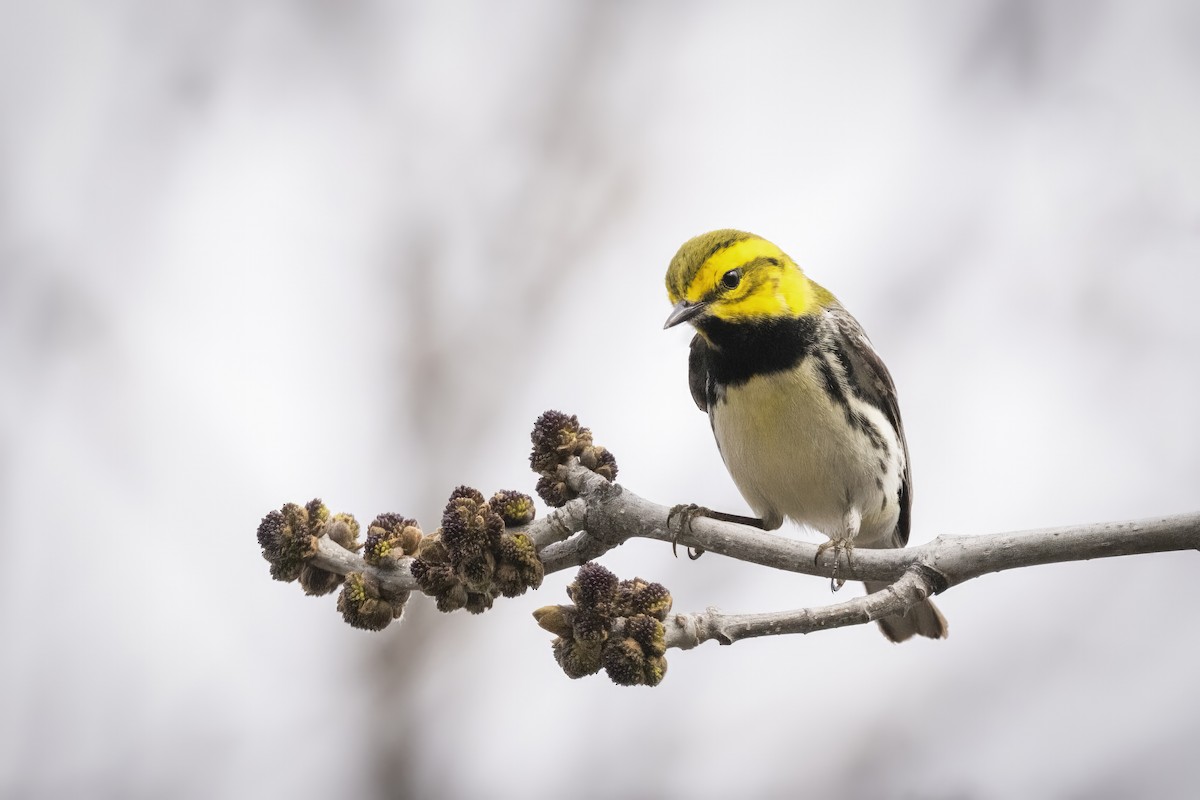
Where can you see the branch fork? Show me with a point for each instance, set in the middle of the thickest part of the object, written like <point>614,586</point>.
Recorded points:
<point>628,633</point>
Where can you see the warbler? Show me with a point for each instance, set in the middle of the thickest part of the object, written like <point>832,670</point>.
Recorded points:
<point>803,409</point>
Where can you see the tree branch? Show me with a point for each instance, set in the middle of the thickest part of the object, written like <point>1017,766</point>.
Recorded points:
<point>686,631</point>
<point>605,515</point>
<point>615,515</point>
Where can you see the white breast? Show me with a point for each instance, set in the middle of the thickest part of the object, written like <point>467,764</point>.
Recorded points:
<point>792,454</point>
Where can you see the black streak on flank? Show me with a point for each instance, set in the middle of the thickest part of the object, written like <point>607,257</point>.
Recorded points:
<point>867,378</point>
<point>860,421</point>
<point>833,386</point>
<point>837,390</point>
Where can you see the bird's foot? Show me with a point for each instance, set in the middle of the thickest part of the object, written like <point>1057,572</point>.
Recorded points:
<point>686,513</point>
<point>839,546</point>
<point>689,511</point>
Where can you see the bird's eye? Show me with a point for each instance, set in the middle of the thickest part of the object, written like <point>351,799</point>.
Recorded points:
<point>731,279</point>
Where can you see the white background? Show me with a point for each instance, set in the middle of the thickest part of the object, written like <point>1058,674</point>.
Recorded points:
<point>256,252</point>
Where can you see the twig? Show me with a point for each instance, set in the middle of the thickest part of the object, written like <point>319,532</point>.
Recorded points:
<point>686,631</point>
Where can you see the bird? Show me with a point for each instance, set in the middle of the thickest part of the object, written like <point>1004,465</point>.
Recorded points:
<point>803,409</point>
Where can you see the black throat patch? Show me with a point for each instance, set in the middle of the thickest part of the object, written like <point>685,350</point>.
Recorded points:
<point>741,350</point>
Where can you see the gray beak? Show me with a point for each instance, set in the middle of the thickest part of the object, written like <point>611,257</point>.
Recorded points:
<point>683,311</point>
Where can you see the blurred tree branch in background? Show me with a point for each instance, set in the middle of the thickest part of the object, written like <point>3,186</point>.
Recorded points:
<point>557,187</point>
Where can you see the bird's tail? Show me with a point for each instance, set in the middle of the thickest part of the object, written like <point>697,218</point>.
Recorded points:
<point>923,619</point>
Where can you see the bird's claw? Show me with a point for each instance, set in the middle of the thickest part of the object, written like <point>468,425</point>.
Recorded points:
<point>839,546</point>
<point>686,513</point>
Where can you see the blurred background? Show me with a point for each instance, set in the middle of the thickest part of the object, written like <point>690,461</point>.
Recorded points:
<point>257,252</point>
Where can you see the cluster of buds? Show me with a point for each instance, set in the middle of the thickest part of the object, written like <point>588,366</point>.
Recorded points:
<point>613,625</point>
<point>472,558</point>
<point>477,555</point>
<point>288,538</point>
<point>364,602</point>
<point>391,537</point>
<point>467,563</point>
<point>557,438</point>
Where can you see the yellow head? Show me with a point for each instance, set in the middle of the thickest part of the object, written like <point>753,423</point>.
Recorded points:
<point>738,277</point>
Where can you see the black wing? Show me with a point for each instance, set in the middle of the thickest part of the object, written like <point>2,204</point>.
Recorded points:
<point>698,372</point>
<point>873,384</point>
